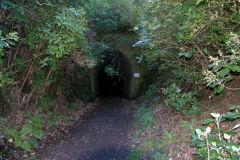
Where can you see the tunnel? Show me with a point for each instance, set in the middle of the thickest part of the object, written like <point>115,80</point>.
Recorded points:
<point>113,74</point>
<point>121,56</point>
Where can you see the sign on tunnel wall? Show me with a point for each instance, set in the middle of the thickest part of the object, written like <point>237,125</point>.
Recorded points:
<point>136,75</point>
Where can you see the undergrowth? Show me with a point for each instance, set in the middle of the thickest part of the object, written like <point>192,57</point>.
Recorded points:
<point>214,142</point>
<point>193,47</point>
<point>47,49</point>
<point>158,137</point>
<point>30,129</point>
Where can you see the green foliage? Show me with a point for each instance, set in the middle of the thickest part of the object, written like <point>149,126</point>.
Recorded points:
<point>185,34</point>
<point>5,79</point>
<point>20,65</point>
<point>109,69</point>
<point>46,103</point>
<point>225,65</point>
<point>52,123</point>
<point>216,143</point>
<point>151,91</point>
<point>151,149</point>
<point>73,106</point>
<point>64,34</point>
<point>151,145</point>
<point>3,125</point>
<point>145,117</point>
<point>194,41</point>
<point>135,155</point>
<point>157,155</point>
<point>64,118</point>
<point>106,25</point>
<point>39,78</point>
<point>6,42</point>
<point>111,15</point>
<point>28,135</point>
<point>181,101</point>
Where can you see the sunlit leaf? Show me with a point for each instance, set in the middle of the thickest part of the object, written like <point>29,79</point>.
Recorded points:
<point>2,44</point>
<point>219,89</point>
<point>235,107</point>
<point>207,121</point>
<point>223,72</point>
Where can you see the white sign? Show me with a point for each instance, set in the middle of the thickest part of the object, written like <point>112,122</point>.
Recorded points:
<point>137,75</point>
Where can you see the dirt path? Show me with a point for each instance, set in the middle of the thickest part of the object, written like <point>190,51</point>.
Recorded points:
<point>103,136</point>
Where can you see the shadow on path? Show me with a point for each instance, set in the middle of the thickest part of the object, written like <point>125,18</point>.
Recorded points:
<point>103,136</point>
<point>111,153</point>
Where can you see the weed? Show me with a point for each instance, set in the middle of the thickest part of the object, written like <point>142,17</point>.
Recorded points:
<point>181,101</point>
<point>215,143</point>
<point>27,136</point>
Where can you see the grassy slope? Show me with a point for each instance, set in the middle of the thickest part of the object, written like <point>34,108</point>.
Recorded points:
<point>163,133</point>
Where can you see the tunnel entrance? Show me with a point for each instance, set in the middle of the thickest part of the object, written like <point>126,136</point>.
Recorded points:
<point>114,74</point>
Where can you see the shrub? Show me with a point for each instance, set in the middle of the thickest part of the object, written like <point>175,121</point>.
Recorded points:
<point>181,101</point>
<point>216,143</point>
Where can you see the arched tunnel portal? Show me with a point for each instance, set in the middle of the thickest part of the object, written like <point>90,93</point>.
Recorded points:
<point>113,75</point>
<point>120,73</point>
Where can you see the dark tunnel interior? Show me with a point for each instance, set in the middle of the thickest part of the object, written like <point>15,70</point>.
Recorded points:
<point>114,74</point>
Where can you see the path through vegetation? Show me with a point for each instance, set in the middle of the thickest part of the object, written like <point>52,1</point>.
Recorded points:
<point>103,136</point>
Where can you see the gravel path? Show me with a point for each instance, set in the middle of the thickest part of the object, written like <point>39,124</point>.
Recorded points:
<point>103,136</point>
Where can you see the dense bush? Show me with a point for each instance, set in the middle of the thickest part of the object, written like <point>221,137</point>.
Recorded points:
<point>200,36</point>
<point>110,15</point>
<point>194,44</point>
<point>46,51</point>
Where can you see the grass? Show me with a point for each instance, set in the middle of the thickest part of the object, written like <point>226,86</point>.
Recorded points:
<point>160,133</point>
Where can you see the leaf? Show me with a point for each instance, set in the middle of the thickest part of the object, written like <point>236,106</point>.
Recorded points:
<point>213,85</point>
<point>236,157</point>
<point>38,133</point>
<point>12,132</point>
<point>34,142</point>
<point>27,115</point>
<point>3,6</point>
<point>37,122</point>
<point>27,128</point>
<point>11,42</point>
<point>231,133</point>
<point>236,68</point>
<point>26,146</point>
<point>235,107</point>
<point>1,53</point>
<point>52,123</point>
<point>18,141</point>
<point>199,132</point>
<point>199,1</point>
<point>207,121</point>
<point>219,89</point>
<point>223,72</point>
<point>205,50</point>
<point>231,115</point>
<point>188,55</point>
<point>2,44</point>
